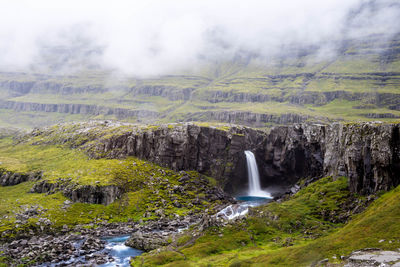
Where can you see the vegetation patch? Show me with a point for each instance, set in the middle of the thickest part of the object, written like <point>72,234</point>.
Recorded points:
<point>150,192</point>
<point>317,222</point>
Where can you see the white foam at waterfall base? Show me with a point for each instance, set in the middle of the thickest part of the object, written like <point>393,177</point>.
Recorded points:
<point>118,248</point>
<point>254,177</point>
<point>235,210</point>
<point>120,252</point>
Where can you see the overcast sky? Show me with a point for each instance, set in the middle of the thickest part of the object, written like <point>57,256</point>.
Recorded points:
<point>161,36</point>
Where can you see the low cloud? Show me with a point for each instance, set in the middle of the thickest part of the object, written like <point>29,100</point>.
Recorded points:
<point>165,36</point>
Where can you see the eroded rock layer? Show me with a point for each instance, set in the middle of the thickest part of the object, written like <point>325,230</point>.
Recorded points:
<point>367,153</point>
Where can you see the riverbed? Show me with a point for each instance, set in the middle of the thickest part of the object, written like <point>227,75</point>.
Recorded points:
<point>119,251</point>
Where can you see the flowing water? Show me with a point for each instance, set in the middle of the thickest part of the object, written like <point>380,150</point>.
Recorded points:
<point>119,251</point>
<point>254,177</point>
<point>114,247</point>
<point>255,195</point>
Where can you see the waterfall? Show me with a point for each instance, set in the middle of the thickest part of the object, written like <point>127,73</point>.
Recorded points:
<point>255,196</point>
<point>254,177</point>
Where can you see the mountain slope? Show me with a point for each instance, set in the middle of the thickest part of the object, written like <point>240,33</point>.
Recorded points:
<point>361,81</point>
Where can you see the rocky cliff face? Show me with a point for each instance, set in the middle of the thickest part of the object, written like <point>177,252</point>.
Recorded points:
<point>247,118</point>
<point>93,194</point>
<point>291,153</point>
<point>302,97</point>
<point>367,153</point>
<point>18,88</point>
<point>169,92</point>
<point>284,155</point>
<point>78,109</point>
<point>211,151</point>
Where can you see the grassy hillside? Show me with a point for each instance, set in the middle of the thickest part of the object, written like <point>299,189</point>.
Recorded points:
<point>323,220</point>
<point>361,82</point>
<point>302,230</point>
<point>145,185</point>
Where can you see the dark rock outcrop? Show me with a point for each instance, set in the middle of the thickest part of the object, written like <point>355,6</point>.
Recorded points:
<point>78,109</point>
<point>211,151</point>
<point>9,178</point>
<point>291,153</point>
<point>247,118</point>
<point>381,115</point>
<point>94,194</point>
<point>170,92</point>
<point>367,153</point>
<point>19,88</point>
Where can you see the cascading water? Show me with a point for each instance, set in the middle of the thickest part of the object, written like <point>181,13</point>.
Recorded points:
<point>255,196</point>
<point>254,177</point>
<point>119,251</point>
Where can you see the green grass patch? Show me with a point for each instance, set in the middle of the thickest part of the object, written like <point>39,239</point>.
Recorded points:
<point>312,213</point>
<point>297,232</point>
<point>149,188</point>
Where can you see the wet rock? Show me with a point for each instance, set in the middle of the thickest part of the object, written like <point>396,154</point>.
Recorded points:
<point>93,244</point>
<point>292,152</point>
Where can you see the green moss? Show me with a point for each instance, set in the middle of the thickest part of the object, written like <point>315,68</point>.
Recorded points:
<point>308,218</point>
<point>165,257</point>
<point>148,188</point>
<point>184,239</point>
<point>274,237</point>
<point>365,230</point>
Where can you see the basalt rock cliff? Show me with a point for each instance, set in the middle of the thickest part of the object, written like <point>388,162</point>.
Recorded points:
<point>367,153</point>
<point>215,152</point>
<point>85,109</point>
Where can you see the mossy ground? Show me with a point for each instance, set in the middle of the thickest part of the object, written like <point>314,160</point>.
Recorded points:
<point>297,232</point>
<point>302,229</point>
<point>148,188</point>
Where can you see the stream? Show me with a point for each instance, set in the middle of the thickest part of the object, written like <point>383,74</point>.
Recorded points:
<point>242,207</point>
<point>119,251</point>
<point>118,254</point>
